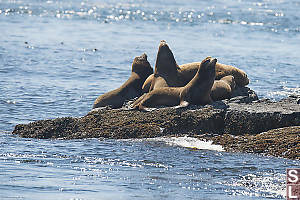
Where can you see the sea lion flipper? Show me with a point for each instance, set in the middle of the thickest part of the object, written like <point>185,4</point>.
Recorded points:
<point>183,104</point>
<point>147,84</point>
<point>137,102</point>
<point>144,108</point>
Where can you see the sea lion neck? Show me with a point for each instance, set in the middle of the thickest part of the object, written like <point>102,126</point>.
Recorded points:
<point>165,61</point>
<point>142,70</point>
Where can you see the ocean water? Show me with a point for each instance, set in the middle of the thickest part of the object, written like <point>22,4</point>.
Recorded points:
<point>56,57</point>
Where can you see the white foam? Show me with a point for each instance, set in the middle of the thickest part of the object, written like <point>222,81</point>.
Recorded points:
<point>189,142</point>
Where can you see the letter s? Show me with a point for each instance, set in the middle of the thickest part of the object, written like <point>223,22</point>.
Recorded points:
<point>293,173</point>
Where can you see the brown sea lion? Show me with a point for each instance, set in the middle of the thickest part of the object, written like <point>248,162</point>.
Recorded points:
<point>167,73</point>
<point>222,70</point>
<point>222,89</point>
<point>187,71</point>
<point>197,91</point>
<point>240,77</point>
<point>132,88</point>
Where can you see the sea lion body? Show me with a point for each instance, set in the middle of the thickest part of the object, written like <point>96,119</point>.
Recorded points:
<point>187,72</point>
<point>132,88</point>
<point>197,91</point>
<point>167,73</point>
<point>223,88</point>
<point>164,96</point>
<point>240,77</point>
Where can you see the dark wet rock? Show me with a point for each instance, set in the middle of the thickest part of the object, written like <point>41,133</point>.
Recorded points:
<point>240,116</point>
<point>282,142</point>
<point>260,116</point>
<point>44,129</point>
<point>120,123</point>
<point>243,95</point>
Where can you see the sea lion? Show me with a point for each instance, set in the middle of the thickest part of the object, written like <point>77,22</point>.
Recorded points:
<point>222,89</point>
<point>132,88</point>
<point>197,91</point>
<point>240,77</point>
<point>167,73</point>
<point>186,71</point>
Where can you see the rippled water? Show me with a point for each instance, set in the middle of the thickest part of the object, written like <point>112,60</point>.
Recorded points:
<point>56,57</point>
<point>139,169</point>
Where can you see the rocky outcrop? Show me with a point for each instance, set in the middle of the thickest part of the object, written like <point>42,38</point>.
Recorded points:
<point>261,115</point>
<point>121,123</point>
<point>282,142</point>
<point>242,115</point>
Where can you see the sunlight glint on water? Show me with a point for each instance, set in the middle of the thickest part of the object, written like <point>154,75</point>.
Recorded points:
<point>56,57</point>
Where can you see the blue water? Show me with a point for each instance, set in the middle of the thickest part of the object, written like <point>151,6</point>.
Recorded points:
<point>56,57</point>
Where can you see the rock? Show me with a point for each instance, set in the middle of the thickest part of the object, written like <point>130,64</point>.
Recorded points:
<point>120,123</point>
<point>282,142</point>
<point>241,115</point>
<point>243,95</point>
<point>260,116</point>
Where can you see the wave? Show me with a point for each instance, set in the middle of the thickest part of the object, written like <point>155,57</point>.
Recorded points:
<point>188,142</point>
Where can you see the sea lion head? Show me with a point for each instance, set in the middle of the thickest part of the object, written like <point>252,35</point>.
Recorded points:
<point>230,80</point>
<point>207,69</point>
<point>241,77</point>
<point>141,66</point>
<point>165,61</point>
